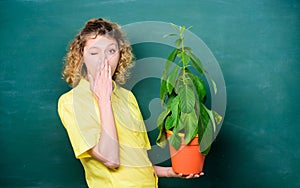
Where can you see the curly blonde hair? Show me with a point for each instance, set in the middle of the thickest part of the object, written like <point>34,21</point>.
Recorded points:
<point>74,67</point>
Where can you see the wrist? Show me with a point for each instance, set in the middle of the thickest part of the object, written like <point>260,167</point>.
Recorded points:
<point>104,106</point>
<point>168,172</point>
<point>104,101</point>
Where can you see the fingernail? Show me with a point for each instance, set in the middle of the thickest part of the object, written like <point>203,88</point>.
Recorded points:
<point>202,173</point>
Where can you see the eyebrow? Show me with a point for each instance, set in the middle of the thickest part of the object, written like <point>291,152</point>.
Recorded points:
<point>96,47</point>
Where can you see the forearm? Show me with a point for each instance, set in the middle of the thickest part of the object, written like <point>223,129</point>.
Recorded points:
<point>107,149</point>
<point>162,171</point>
<point>169,172</point>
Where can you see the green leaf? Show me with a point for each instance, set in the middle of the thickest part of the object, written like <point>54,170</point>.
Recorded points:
<point>163,91</point>
<point>174,105</point>
<point>191,126</point>
<point>213,82</point>
<point>205,152</point>
<point>172,79</point>
<point>199,67</point>
<point>175,141</point>
<point>180,126</point>
<point>179,81</point>
<point>169,124</point>
<point>211,118</point>
<point>170,100</point>
<point>175,27</point>
<point>170,35</point>
<point>196,62</point>
<point>161,139</point>
<point>178,42</point>
<point>199,86</point>
<point>173,119</point>
<point>172,55</point>
<point>170,59</point>
<point>214,85</point>
<point>217,117</point>
<point>185,59</point>
<point>186,48</point>
<point>204,120</point>
<point>204,131</point>
<point>187,98</point>
<point>182,28</point>
<point>161,118</point>
<point>207,138</point>
<point>189,28</point>
<point>166,78</point>
<point>207,127</point>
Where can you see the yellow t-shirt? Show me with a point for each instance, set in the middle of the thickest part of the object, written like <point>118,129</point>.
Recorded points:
<point>79,114</point>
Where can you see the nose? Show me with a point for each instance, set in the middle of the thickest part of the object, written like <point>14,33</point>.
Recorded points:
<point>103,58</point>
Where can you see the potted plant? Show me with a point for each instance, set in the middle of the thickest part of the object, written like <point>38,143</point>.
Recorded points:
<point>186,122</point>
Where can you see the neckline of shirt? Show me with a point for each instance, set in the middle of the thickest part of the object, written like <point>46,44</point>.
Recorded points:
<point>86,84</point>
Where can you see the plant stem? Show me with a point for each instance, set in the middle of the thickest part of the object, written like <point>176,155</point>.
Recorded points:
<point>182,47</point>
<point>183,54</point>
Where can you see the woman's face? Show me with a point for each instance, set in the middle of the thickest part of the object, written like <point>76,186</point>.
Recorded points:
<point>97,51</point>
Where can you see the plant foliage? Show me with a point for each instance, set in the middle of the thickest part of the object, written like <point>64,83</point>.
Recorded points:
<point>182,93</point>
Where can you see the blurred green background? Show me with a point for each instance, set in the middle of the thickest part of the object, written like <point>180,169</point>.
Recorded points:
<point>255,42</point>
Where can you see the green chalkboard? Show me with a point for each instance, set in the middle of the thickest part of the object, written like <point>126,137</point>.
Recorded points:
<point>256,44</point>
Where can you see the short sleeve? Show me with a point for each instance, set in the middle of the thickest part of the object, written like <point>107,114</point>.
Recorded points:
<point>82,127</point>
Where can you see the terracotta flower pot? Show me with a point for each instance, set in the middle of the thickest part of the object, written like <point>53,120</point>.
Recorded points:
<point>187,159</point>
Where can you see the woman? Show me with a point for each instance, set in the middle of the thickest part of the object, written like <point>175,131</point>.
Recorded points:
<point>103,120</point>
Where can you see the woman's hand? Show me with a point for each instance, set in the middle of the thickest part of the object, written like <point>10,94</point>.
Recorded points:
<point>169,173</point>
<point>101,85</point>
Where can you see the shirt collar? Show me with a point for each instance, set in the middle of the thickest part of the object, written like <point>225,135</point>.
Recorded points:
<point>86,84</point>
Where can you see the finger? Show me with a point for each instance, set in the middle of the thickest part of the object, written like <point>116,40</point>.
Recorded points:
<point>102,68</point>
<point>171,173</point>
<point>101,65</point>
<point>91,80</point>
<point>97,77</point>
<point>90,77</point>
<point>189,176</point>
<point>105,70</point>
<point>97,72</point>
<point>109,72</point>
<point>202,174</point>
<point>179,175</point>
